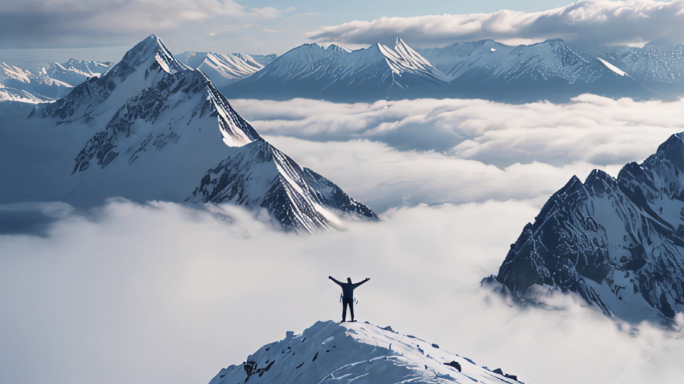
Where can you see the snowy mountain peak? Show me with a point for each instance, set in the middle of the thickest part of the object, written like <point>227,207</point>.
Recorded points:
<point>328,353</point>
<point>151,47</point>
<point>337,48</point>
<point>410,58</point>
<point>146,83</point>
<point>672,151</point>
<point>617,242</point>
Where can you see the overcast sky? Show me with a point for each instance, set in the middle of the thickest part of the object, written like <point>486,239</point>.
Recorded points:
<point>104,30</point>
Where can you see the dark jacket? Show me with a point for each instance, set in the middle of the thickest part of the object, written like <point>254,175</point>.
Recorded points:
<point>347,288</point>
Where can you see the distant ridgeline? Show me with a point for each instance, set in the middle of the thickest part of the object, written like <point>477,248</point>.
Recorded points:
<point>617,242</point>
<point>485,69</point>
<point>48,83</point>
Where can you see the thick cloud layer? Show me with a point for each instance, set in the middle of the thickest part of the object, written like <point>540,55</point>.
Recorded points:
<point>161,293</point>
<point>456,151</point>
<point>593,22</point>
<point>590,129</point>
<point>384,178</point>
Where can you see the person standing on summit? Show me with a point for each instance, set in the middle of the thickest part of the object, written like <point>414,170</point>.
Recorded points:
<point>348,296</point>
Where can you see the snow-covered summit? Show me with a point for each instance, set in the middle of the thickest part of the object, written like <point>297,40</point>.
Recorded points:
<point>359,353</point>
<point>152,46</point>
<point>618,242</point>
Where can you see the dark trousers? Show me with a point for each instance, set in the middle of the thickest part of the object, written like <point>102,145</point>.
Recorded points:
<point>350,303</point>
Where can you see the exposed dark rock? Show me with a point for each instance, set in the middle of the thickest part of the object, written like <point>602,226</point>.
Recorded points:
<point>617,233</point>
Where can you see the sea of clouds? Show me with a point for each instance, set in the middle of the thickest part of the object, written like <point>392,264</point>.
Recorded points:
<point>164,293</point>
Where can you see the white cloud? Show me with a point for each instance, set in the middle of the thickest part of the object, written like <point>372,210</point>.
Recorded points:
<point>384,178</point>
<point>595,22</point>
<point>54,23</point>
<point>589,129</point>
<point>162,293</point>
<point>391,153</point>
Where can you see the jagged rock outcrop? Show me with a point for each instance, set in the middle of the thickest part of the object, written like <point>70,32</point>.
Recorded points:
<point>618,242</point>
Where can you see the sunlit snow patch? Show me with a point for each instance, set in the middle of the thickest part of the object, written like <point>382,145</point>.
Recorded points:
<point>613,68</point>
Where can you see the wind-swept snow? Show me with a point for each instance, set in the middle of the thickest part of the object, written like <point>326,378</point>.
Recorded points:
<point>328,352</point>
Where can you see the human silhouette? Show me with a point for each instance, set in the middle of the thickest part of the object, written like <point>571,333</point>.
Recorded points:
<point>348,296</point>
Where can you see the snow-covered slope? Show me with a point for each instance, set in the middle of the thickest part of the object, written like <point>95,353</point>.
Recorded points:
<point>339,74</point>
<point>550,70</point>
<point>617,242</point>
<point>12,94</point>
<point>264,59</point>
<point>358,353</point>
<point>14,80</point>
<point>74,72</point>
<point>658,65</point>
<point>49,83</point>
<point>543,61</point>
<point>152,128</point>
<point>221,69</point>
<point>259,175</point>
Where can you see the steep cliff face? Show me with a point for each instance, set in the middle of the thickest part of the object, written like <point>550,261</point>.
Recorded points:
<point>617,242</point>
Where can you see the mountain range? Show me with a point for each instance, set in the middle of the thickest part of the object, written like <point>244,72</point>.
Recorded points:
<point>153,128</point>
<point>617,242</point>
<point>49,83</point>
<point>335,73</point>
<point>551,70</point>
<point>328,352</point>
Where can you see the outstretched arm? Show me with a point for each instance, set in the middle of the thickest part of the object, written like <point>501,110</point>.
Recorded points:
<point>333,279</point>
<point>361,282</point>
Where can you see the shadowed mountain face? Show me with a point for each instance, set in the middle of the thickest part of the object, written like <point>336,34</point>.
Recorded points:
<point>617,242</point>
<point>328,353</point>
<point>152,128</point>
